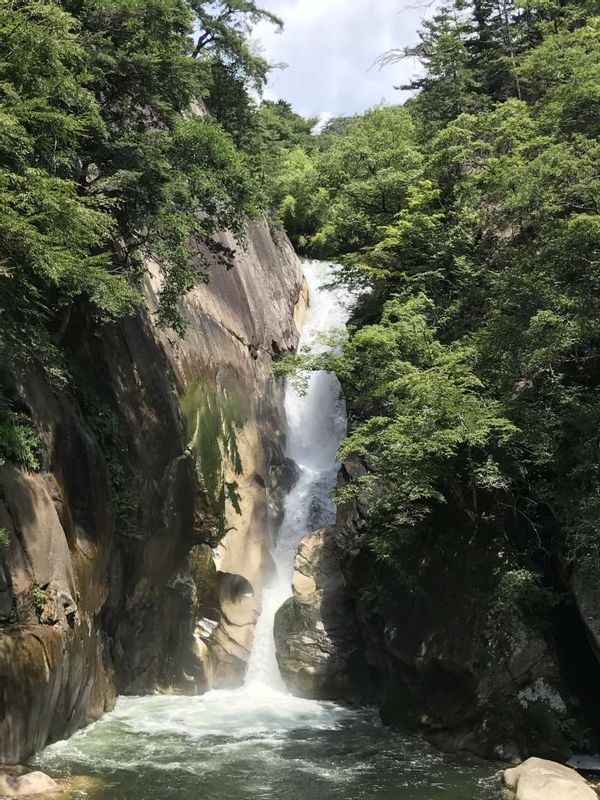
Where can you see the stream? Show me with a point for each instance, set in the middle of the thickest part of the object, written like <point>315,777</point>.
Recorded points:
<point>259,741</point>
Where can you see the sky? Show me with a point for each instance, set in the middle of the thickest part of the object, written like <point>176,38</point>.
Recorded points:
<point>329,47</point>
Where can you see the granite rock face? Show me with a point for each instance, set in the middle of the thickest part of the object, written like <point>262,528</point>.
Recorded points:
<point>315,631</point>
<point>96,591</point>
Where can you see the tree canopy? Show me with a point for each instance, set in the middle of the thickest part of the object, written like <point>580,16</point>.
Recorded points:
<point>470,216</point>
<point>108,158</point>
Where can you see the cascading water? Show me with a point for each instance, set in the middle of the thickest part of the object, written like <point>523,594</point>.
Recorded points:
<point>316,423</point>
<point>259,741</point>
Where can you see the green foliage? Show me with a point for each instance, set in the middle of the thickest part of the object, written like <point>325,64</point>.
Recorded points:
<point>39,597</point>
<point>521,592</point>
<point>51,237</point>
<point>19,441</point>
<point>279,142</point>
<point>213,420</point>
<point>423,416</point>
<point>367,173</point>
<point>4,540</point>
<point>332,191</point>
<point>105,424</point>
<point>449,84</point>
<point>470,216</point>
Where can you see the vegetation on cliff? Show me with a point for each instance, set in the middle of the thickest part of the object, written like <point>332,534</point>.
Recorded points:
<point>470,217</point>
<point>107,161</point>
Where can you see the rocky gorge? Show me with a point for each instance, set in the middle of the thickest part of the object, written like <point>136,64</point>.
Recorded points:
<point>107,569</point>
<point>299,412</point>
<point>156,584</point>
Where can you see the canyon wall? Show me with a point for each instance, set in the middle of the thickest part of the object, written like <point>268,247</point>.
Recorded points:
<point>133,559</point>
<point>428,641</point>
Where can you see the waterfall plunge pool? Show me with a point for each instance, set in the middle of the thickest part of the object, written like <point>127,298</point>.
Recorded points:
<point>261,744</point>
<point>259,741</point>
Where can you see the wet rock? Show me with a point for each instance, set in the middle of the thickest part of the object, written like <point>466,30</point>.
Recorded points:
<point>584,583</point>
<point>289,475</point>
<point>585,763</point>
<point>20,783</point>
<point>538,779</point>
<point>315,635</point>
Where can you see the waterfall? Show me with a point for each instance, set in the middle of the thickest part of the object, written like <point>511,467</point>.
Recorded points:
<point>259,740</point>
<point>316,423</point>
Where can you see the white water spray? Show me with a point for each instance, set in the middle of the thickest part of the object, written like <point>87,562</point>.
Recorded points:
<point>316,423</point>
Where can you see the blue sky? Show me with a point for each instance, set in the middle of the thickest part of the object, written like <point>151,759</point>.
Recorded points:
<point>329,46</point>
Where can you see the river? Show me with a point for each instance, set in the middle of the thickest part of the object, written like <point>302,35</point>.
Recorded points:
<point>259,741</point>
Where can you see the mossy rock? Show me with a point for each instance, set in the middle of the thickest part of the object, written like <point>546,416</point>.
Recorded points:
<point>204,574</point>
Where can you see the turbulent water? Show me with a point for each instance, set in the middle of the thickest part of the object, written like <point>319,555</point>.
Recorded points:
<point>259,741</point>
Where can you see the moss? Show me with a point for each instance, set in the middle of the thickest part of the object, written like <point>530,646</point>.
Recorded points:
<point>19,441</point>
<point>213,418</point>
<point>4,540</point>
<point>106,425</point>
<point>204,574</point>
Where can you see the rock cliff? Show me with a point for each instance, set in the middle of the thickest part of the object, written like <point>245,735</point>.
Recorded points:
<point>134,558</point>
<point>437,652</point>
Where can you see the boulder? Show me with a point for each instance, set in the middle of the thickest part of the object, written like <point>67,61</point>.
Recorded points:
<point>18,783</point>
<point>315,633</point>
<point>538,779</point>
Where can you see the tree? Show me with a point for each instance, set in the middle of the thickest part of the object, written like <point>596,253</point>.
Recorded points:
<point>224,27</point>
<point>51,236</point>
<point>497,42</point>
<point>449,86</point>
<point>367,172</point>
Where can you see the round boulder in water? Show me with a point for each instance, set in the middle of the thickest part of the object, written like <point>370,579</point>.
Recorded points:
<point>538,779</point>
<point>17,782</point>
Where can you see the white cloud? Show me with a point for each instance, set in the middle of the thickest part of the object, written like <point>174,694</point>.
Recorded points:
<point>324,118</point>
<point>330,47</point>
